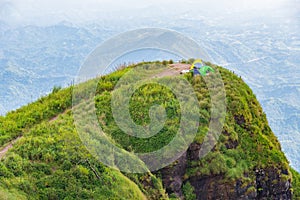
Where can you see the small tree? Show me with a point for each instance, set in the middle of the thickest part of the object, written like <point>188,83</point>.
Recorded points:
<point>56,89</point>
<point>164,62</point>
<point>188,191</point>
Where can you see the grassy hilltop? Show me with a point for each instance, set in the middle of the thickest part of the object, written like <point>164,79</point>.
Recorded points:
<point>49,161</point>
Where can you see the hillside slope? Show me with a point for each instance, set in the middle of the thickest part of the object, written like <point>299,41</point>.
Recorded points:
<point>50,162</point>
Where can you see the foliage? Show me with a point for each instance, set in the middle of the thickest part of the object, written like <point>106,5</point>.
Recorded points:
<point>296,184</point>
<point>50,162</point>
<point>15,123</point>
<point>188,191</point>
<point>56,89</point>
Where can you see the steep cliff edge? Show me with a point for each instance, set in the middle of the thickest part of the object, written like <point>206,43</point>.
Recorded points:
<point>246,163</point>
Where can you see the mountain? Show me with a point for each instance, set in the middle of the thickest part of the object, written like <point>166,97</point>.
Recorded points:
<point>263,50</point>
<point>33,59</point>
<point>47,159</point>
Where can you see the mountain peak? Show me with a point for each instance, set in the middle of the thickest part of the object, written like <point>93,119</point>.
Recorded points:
<point>49,159</point>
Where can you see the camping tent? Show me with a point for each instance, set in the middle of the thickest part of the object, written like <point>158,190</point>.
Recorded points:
<point>197,64</point>
<point>206,70</point>
<point>198,68</point>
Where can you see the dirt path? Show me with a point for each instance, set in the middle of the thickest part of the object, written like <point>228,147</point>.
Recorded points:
<point>57,116</point>
<point>8,147</point>
<point>180,66</point>
<point>174,69</point>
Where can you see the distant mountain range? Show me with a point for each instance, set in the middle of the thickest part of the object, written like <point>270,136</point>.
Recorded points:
<point>34,59</point>
<point>265,53</point>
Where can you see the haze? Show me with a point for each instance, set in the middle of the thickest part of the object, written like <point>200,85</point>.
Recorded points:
<point>46,12</point>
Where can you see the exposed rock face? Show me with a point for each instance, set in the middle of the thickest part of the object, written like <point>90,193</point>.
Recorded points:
<point>245,163</point>
<point>264,184</point>
<point>270,185</point>
<point>173,176</point>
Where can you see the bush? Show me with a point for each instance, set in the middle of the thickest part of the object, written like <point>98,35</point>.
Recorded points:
<point>188,191</point>
<point>4,172</point>
<point>165,62</point>
<point>14,163</point>
<point>296,184</point>
<point>56,89</point>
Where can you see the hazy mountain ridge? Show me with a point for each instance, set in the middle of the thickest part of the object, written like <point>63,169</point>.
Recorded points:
<point>34,59</point>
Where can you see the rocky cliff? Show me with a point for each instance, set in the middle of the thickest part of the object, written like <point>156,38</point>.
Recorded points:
<point>246,163</point>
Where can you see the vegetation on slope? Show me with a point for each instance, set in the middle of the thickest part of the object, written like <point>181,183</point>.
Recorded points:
<point>50,162</point>
<point>247,141</point>
<point>15,123</point>
<point>296,183</point>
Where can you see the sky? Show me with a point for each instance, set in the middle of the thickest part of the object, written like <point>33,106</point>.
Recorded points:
<point>43,12</point>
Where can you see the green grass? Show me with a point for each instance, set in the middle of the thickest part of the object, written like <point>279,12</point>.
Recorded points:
<point>296,184</point>
<point>50,162</point>
<point>188,191</point>
<point>15,123</point>
<point>6,194</point>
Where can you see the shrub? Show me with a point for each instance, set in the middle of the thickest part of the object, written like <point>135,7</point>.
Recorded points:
<point>188,191</point>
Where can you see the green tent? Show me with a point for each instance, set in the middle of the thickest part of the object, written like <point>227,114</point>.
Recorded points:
<point>198,68</point>
<point>205,70</point>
